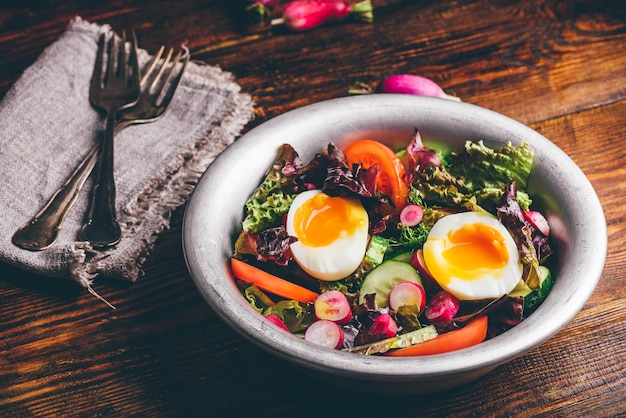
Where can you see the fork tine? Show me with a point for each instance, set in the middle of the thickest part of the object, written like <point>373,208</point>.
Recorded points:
<point>169,94</point>
<point>133,60</point>
<point>158,81</point>
<point>151,66</point>
<point>110,71</point>
<point>96,78</point>
<point>121,57</point>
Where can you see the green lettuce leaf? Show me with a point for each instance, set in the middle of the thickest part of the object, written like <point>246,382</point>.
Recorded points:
<point>475,178</point>
<point>296,315</point>
<point>272,199</point>
<point>259,300</point>
<point>483,167</point>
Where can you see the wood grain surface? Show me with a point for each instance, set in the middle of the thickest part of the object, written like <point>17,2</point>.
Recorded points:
<point>557,66</point>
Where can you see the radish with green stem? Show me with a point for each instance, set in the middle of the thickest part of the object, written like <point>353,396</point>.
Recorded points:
<point>301,15</point>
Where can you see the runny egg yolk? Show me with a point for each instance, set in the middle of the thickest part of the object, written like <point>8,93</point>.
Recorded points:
<point>323,219</point>
<point>473,248</point>
<point>331,233</point>
<point>473,256</point>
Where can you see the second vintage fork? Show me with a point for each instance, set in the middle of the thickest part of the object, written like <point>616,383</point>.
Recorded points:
<point>158,86</point>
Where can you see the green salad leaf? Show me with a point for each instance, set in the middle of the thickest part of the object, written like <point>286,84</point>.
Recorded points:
<point>272,199</point>
<point>259,300</point>
<point>483,167</point>
<point>296,315</point>
<point>475,178</point>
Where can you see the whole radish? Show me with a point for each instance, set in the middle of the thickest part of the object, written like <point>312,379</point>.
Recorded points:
<point>413,84</point>
<point>404,84</point>
<point>302,15</point>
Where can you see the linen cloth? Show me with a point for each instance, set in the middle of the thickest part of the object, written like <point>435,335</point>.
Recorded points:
<point>47,126</point>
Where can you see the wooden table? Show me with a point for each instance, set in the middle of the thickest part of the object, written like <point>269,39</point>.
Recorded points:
<point>557,66</point>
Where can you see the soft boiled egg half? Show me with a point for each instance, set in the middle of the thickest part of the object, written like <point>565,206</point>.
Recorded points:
<point>473,256</point>
<point>332,234</point>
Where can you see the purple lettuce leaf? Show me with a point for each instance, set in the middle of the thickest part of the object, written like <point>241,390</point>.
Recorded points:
<point>419,157</point>
<point>272,244</point>
<point>530,243</point>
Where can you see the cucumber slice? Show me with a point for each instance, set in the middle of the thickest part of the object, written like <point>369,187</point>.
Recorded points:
<point>384,277</point>
<point>533,300</point>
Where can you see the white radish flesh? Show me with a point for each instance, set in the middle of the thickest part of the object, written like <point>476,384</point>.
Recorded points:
<point>411,215</point>
<point>407,293</point>
<point>333,306</point>
<point>537,220</point>
<point>325,333</point>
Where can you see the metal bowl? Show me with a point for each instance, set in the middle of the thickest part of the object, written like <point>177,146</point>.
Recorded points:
<point>212,222</point>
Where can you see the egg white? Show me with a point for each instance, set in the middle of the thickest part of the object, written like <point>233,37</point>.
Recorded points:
<point>334,261</point>
<point>483,283</point>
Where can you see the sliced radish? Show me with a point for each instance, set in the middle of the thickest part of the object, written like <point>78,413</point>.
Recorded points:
<point>275,319</point>
<point>333,306</point>
<point>407,293</point>
<point>384,325</point>
<point>442,307</point>
<point>537,220</point>
<point>325,333</point>
<point>418,263</point>
<point>411,215</point>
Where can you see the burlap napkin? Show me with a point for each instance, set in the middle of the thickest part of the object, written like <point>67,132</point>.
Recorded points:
<point>47,126</point>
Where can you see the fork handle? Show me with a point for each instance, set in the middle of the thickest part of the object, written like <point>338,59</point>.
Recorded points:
<point>102,229</point>
<point>42,230</point>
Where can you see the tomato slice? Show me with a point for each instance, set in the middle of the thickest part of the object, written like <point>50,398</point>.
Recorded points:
<point>390,181</point>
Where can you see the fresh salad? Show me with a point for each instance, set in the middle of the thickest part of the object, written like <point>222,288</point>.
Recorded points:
<point>400,253</point>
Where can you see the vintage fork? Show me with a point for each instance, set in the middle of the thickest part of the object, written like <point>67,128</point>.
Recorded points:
<point>117,88</point>
<point>158,86</point>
